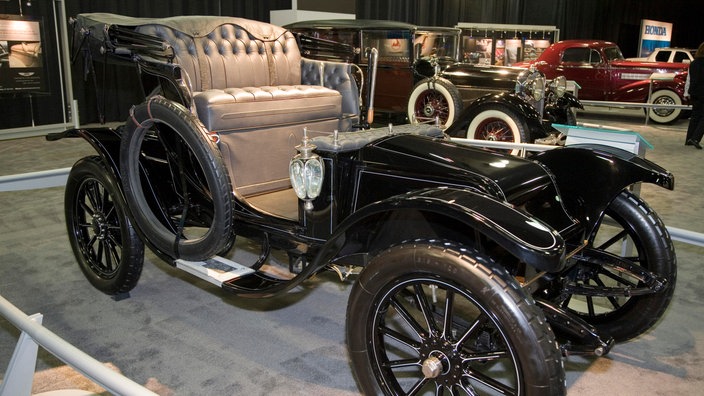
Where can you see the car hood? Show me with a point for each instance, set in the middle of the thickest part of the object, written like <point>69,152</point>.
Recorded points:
<point>486,76</point>
<point>506,177</point>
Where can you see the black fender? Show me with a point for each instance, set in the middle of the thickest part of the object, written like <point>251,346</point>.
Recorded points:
<point>105,141</point>
<point>557,111</point>
<point>507,99</point>
<point>457,214</point>
<point>590,176</point>
<point>568,100</point>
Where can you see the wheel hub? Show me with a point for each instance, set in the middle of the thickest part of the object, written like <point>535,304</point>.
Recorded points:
<point>100,226</point>
<point>666,101</point>
<point>428,110</point>
<point>433,366</point>
<point>441,361</point>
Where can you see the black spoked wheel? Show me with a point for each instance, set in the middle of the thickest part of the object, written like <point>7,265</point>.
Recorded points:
<point>175,181</point>
<point>103,240</point>
<point>428,320</point>
<point>632,231</point>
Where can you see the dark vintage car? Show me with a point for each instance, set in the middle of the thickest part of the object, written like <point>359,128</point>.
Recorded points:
<point>420,75</point>
<point>473,272</point>
<point>604,74</point>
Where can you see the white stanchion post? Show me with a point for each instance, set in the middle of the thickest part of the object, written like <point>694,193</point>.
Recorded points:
<point>19,375</point>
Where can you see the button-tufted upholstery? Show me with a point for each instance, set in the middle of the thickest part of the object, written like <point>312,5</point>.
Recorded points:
<point>251,85</point>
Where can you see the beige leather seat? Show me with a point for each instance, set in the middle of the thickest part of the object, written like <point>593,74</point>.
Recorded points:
<point>251,86</point>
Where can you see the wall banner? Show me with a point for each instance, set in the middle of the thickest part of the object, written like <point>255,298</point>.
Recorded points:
<point>22,66</point>
<point>653,34</point>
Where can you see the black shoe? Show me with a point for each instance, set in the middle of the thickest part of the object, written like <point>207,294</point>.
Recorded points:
<point>694,143</point>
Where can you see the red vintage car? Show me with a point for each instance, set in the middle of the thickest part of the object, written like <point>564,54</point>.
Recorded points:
<point>603,74</point>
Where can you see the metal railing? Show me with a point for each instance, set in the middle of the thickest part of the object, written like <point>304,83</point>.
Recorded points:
<point>19,376</point>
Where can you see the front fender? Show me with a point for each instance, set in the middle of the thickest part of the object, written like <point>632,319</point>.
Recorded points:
<point>568,100</point>
<point>460,215</point>
<point>590,176</point>
<point>507,99</point>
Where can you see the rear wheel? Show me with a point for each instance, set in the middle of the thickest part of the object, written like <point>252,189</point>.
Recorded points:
<point>666,97</point>
<point>175,181</point>
<point>106,246</point>
<point>425,319</point>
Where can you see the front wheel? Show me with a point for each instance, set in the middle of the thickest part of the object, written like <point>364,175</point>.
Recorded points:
<point>497,123</point>
<point>435,98</point>
<point>665,116</point>
<point>425,319</point>
<point>105,244</point>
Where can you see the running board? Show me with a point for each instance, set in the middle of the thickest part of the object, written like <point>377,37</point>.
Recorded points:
<point>216,270</point>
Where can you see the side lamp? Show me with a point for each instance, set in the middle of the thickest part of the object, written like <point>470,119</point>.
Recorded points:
<point>306,172</point>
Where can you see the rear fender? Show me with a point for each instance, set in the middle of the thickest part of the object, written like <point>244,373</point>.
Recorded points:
<point>459,215</point>
<point>105,141</point>
<point>590,176</point>
<point>638,91</point>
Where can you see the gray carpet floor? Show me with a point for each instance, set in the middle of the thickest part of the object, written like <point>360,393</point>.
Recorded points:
<point>182,336</point>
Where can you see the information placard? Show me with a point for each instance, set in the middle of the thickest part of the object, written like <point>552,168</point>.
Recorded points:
<point>22,66</point>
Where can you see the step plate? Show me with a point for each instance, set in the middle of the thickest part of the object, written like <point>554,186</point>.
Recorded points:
<point>215,270</point>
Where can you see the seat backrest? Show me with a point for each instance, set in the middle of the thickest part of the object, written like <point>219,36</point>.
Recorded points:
<point>225,52</point>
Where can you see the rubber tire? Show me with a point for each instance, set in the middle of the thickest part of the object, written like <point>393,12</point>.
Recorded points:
<point>653,242</point>
<point>179,120</point>
<point>503,118</point>
<point>440,89</point>
<point>107,208</point>
<point>540,370</point>
<point>665,96</point>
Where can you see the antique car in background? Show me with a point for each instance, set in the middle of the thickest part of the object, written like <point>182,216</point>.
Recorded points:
<point>668,54</point>
<point>420,75</point>
<point>603,74</point>
<point>474,272</point>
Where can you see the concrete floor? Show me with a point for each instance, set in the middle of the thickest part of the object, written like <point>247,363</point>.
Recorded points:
<point>181,336</point>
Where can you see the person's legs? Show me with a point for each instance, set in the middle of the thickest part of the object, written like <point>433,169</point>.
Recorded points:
<point>695,129</point>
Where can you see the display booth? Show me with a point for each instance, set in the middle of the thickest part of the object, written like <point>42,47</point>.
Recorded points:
<point>35,89</point>
<point>504,45</point>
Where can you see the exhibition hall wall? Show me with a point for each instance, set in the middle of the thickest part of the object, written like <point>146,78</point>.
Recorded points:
<point>614,20</point>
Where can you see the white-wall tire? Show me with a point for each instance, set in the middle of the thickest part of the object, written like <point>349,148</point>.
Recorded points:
<point>664,116</point>
<point>436,97</point>
<point>498,124</point>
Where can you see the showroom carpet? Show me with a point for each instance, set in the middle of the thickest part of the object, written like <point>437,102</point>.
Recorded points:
<point>182,336</point>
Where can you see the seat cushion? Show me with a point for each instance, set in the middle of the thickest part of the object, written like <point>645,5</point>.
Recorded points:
<point>261,107</point>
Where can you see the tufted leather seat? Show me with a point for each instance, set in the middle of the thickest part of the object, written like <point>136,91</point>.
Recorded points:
<point>251,86</point>
<point>246,74</point>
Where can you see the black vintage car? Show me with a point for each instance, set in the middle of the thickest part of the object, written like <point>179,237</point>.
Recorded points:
<point>474,272</point>
<point>421,74</point>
